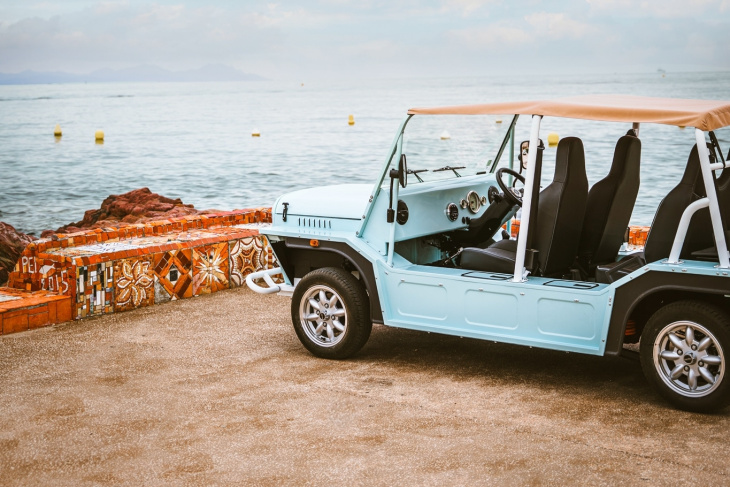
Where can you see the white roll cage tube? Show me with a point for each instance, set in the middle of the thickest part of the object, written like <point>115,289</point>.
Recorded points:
<point>396,188</point>
<point>710,201</point>
<point>520,271</point>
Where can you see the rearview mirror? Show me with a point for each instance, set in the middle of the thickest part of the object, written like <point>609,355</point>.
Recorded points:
<point>524,152</point>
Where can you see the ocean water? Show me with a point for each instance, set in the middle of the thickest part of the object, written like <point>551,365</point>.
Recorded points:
<point>193,140</point>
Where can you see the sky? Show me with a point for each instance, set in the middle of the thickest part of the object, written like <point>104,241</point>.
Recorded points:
<point>368,38</point>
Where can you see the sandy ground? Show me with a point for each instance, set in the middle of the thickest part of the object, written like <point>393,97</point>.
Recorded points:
<point>218,391</point>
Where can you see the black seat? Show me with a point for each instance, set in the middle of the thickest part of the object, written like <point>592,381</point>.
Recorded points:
<point>722,185</point>
<point>560,210</point>
<point>610,204</point>
<point>669,213</point>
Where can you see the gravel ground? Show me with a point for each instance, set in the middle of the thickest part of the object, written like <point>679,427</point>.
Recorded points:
<point>217,390</point>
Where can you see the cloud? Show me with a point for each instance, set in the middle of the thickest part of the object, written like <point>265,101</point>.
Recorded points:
<point>661,8</point>
<point>466,7</point>
<point>557,26</point>
<point>491,37</point>
<point>330,38</point>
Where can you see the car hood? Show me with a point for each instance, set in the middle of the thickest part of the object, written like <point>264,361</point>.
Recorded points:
<point>341,201</point>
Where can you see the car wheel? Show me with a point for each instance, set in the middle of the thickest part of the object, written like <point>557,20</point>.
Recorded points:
<point>331,313</point>
<point>684,349</point>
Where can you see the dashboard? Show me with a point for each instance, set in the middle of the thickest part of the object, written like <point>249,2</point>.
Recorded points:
<point>432,207</point>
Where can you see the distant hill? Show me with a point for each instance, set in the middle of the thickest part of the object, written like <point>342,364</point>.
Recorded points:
<point>143,73</point>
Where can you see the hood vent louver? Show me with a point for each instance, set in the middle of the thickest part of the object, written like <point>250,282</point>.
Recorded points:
<point>315,223</point>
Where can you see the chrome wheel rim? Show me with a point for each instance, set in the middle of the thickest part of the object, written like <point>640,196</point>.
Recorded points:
<point>323,315</point>
<point>689,359</point>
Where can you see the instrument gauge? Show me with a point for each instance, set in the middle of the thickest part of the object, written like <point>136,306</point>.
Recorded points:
<point>474,202</point>
<point>452,212</point>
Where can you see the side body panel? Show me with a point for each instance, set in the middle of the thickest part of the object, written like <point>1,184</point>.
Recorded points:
<point>559,315</point>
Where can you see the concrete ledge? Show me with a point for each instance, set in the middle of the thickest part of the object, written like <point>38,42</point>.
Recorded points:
<point>110,270</point>
<point>22,310</point>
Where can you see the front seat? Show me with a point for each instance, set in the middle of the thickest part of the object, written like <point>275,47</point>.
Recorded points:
<point>560,211</point>
<point>610,204</point>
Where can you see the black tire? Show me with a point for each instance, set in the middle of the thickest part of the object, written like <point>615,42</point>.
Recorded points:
<point>337,332</point>
<point>690,372</point>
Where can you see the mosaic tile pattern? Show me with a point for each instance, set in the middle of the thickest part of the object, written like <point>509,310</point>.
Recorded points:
<point>173,275</point>
<point>133,283</point>
<point>107,270</point>
<point>210,268</point>
<point>94,289</point>
<point>37,272</point>
<point>247,255</point>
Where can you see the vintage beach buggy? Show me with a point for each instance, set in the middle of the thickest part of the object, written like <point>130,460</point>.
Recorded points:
<point>424,247</point>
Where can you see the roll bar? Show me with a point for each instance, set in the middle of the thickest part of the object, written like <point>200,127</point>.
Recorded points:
<point>710,201</point>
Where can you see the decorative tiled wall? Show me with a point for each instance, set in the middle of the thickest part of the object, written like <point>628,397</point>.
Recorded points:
<point>173,275</point>
<point>118,269</point>
<point>94,289</point>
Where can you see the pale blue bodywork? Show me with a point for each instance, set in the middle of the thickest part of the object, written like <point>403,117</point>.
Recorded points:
<point>571,316</point>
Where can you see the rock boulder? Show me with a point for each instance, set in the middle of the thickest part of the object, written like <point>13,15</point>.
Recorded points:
<point>140,205</point>
<point>12,244</point>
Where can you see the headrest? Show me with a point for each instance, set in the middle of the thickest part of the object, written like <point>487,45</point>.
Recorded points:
<point>570,157</point>
<point>621,156</point>
<point>692,171</point>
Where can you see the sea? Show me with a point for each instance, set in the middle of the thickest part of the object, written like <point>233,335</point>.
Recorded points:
<point>194,141</point>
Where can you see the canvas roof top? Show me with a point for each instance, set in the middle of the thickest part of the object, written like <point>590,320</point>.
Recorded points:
<point>701,114</point>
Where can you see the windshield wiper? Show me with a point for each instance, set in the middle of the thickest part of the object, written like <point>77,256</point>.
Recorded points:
<point>415,173</point>
<point>449,168</point>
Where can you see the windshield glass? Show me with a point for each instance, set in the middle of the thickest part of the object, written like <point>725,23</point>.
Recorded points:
<point>448,146</point>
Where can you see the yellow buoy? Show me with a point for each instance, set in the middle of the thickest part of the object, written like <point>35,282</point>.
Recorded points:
<point>553,139</point>
<point>445,135</point>
<point>255,133</point>
<point>99,136</point>
<point>499,120</point>
<point>57,131</point>
<point>350,120</point>
<point>681,127</point>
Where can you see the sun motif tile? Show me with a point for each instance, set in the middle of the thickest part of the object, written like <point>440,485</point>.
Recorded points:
<point>133,283</point>
<point>210,268</point>
<point>173,275</point>
<point>247,256</point>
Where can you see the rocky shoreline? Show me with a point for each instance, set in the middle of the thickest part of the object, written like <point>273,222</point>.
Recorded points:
<point>12,243</point>
<point>137,206</point>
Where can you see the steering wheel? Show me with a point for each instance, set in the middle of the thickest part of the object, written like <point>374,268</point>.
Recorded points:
<point>511,194</point>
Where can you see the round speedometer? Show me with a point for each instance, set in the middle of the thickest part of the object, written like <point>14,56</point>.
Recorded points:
<point>473,201</point>
<point>452,212</point>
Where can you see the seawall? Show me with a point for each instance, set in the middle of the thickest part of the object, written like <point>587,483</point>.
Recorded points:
<point>111,270</point>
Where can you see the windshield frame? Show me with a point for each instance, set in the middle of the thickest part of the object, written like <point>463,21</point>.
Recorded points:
<point>396,150</point>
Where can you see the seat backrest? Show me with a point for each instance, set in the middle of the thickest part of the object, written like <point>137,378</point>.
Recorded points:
<point>610,204</point>
<point>669,213</point>
<point>561,208</point>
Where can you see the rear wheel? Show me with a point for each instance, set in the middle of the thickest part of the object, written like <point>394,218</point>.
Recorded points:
<point>331,313</point>
<point>684,349</point>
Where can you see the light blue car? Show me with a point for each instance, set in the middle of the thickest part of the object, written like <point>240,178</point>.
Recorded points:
<point>424,247</point>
